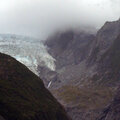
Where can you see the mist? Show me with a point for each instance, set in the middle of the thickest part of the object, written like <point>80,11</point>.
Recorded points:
<point>40,18</point>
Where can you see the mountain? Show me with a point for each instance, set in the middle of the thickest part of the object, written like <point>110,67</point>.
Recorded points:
<point>70,52</point>
<point>87,69</point>
<point>109,65</point>
<point>104,39</point>
<point>81,55</point>
<point>80,68</point>
<point>105,54</point>
<point>23,95</point>
<point>111,60</point>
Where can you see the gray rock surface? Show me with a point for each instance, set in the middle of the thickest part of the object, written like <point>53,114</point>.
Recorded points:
<point>112,112</point>
<point>84,60</point>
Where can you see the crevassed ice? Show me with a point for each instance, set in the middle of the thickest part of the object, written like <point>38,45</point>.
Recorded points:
<point>29,51</point>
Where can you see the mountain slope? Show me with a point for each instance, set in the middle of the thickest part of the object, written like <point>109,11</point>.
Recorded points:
<point>104,39</point>
<point>70,49</point>
<point>23,95</point>
<point>87,66</point>
<point>112,112</point>
<point>109,65</point>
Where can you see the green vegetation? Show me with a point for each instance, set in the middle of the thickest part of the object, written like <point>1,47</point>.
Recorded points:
<point>23,95</point>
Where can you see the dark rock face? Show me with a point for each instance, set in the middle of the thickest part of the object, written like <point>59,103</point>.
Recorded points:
<point>105,55</point>
<point>104,39</point>
<point>109,64</point>
<point>23,95</point>
<point>112,112</point>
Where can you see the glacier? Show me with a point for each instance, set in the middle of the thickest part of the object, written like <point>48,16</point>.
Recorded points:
<point>29,51</point>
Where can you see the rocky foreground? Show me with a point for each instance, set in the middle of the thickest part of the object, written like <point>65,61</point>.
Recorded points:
<point>23,95</point>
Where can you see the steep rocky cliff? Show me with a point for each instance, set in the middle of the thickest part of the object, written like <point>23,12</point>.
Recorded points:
<point>23,95</point>
<point>87,70</point>
<point>109,65</point>
<point>104,39</point>
<point>112,112</point>
<point>82,56</point>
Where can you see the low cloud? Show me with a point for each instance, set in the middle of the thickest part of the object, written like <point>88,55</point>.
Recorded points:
<point>40,18</point>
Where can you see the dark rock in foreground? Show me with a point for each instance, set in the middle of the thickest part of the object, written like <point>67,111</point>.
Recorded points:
<point>23,95</point>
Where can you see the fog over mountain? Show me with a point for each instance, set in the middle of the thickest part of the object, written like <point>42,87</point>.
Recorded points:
<point>40,18</point>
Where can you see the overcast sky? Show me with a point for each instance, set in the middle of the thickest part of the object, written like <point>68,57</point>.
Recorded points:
<point>40,18</point>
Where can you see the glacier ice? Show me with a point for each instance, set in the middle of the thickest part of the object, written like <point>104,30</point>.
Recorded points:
<point>29,51</point>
